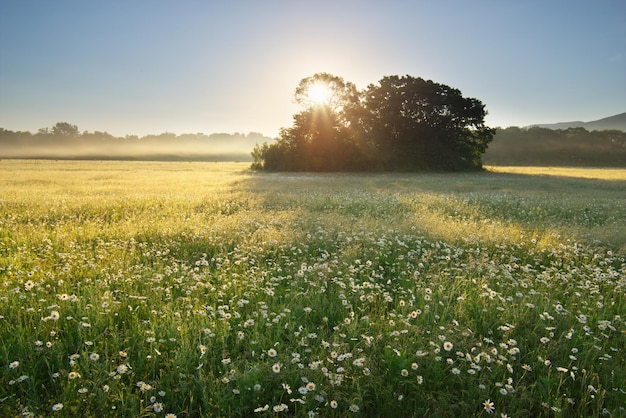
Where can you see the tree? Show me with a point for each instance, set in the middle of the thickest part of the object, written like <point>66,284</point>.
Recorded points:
<point>403,123</point>
<point>318,139</point>
<point>65,130</point>
<point>419,124</point>
<point>326,90</point>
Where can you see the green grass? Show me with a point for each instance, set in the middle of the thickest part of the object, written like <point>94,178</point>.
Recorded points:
<point>203,289</point>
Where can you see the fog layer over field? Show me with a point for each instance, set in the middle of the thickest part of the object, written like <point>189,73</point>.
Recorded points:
<point>168,146</point>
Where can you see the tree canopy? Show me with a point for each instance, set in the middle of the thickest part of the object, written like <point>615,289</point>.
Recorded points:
<point>401,123</point>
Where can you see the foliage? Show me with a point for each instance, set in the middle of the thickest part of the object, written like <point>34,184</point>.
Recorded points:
<point>404,123</point>
<point>308,295</point>
<point>574,147</point>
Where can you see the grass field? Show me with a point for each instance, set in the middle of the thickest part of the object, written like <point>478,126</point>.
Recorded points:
<point>204,289</point>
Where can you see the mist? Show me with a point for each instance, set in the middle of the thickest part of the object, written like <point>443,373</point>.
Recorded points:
<point>64,142</point>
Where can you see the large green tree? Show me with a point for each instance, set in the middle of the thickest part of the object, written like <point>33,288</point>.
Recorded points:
<point>419,124</point>
<point>402,123</point>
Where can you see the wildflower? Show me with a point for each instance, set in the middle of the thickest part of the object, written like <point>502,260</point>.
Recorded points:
<point>333,404</point>
<point>73,375</point>
<point>14,365</point>
<point>414,366</point>
<point>170,415</point>
<point>456,371</point>
<point>143,386</point>
<point>54,316</point>
<point>262,408</point>
<point>226,361</point>
<point>271,352</point>
<point>310,386</point>
<point>122,368</point>
<point>57,407</point>
<point>256,387</point>
<point>280,408</point>
<point>94,356</point>
<point>404,372</point>
<point>276,367</point>
<point>489,406</point>
<point>527,368</point>
<point>354,408</point>
<point>157,407</point>
<point>29,285</point>
<point>420,380</point>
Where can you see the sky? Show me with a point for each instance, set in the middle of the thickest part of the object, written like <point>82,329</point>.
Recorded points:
<point>188,66</point>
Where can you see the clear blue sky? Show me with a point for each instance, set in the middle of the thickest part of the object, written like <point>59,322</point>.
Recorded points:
<point>150,66</point>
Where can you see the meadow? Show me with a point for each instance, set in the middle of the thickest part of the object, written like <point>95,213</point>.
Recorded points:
<point>143,289</point>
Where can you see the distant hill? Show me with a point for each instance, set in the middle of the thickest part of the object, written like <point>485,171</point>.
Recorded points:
<point>612,122</point>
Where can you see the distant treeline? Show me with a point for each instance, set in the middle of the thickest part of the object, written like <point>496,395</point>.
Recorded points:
<point>575,147</point>
<point>510,146</point>
<point>65,141</point>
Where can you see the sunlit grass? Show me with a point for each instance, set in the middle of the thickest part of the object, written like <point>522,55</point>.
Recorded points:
<point>202,289</point>
<point>585,173</point>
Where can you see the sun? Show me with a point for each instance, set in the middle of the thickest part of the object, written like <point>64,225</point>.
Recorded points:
<point>319,93</point>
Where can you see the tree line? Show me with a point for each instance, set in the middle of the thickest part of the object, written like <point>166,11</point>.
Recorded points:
<point>557,147</point>
<point>399,124</point>
<point>65,141</point>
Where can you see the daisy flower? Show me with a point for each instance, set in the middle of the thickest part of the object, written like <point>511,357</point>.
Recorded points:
<point>276,367</point>
<point>489,406</point>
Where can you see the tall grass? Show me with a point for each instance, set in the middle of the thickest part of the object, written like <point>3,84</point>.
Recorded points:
<point>200,289</point>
